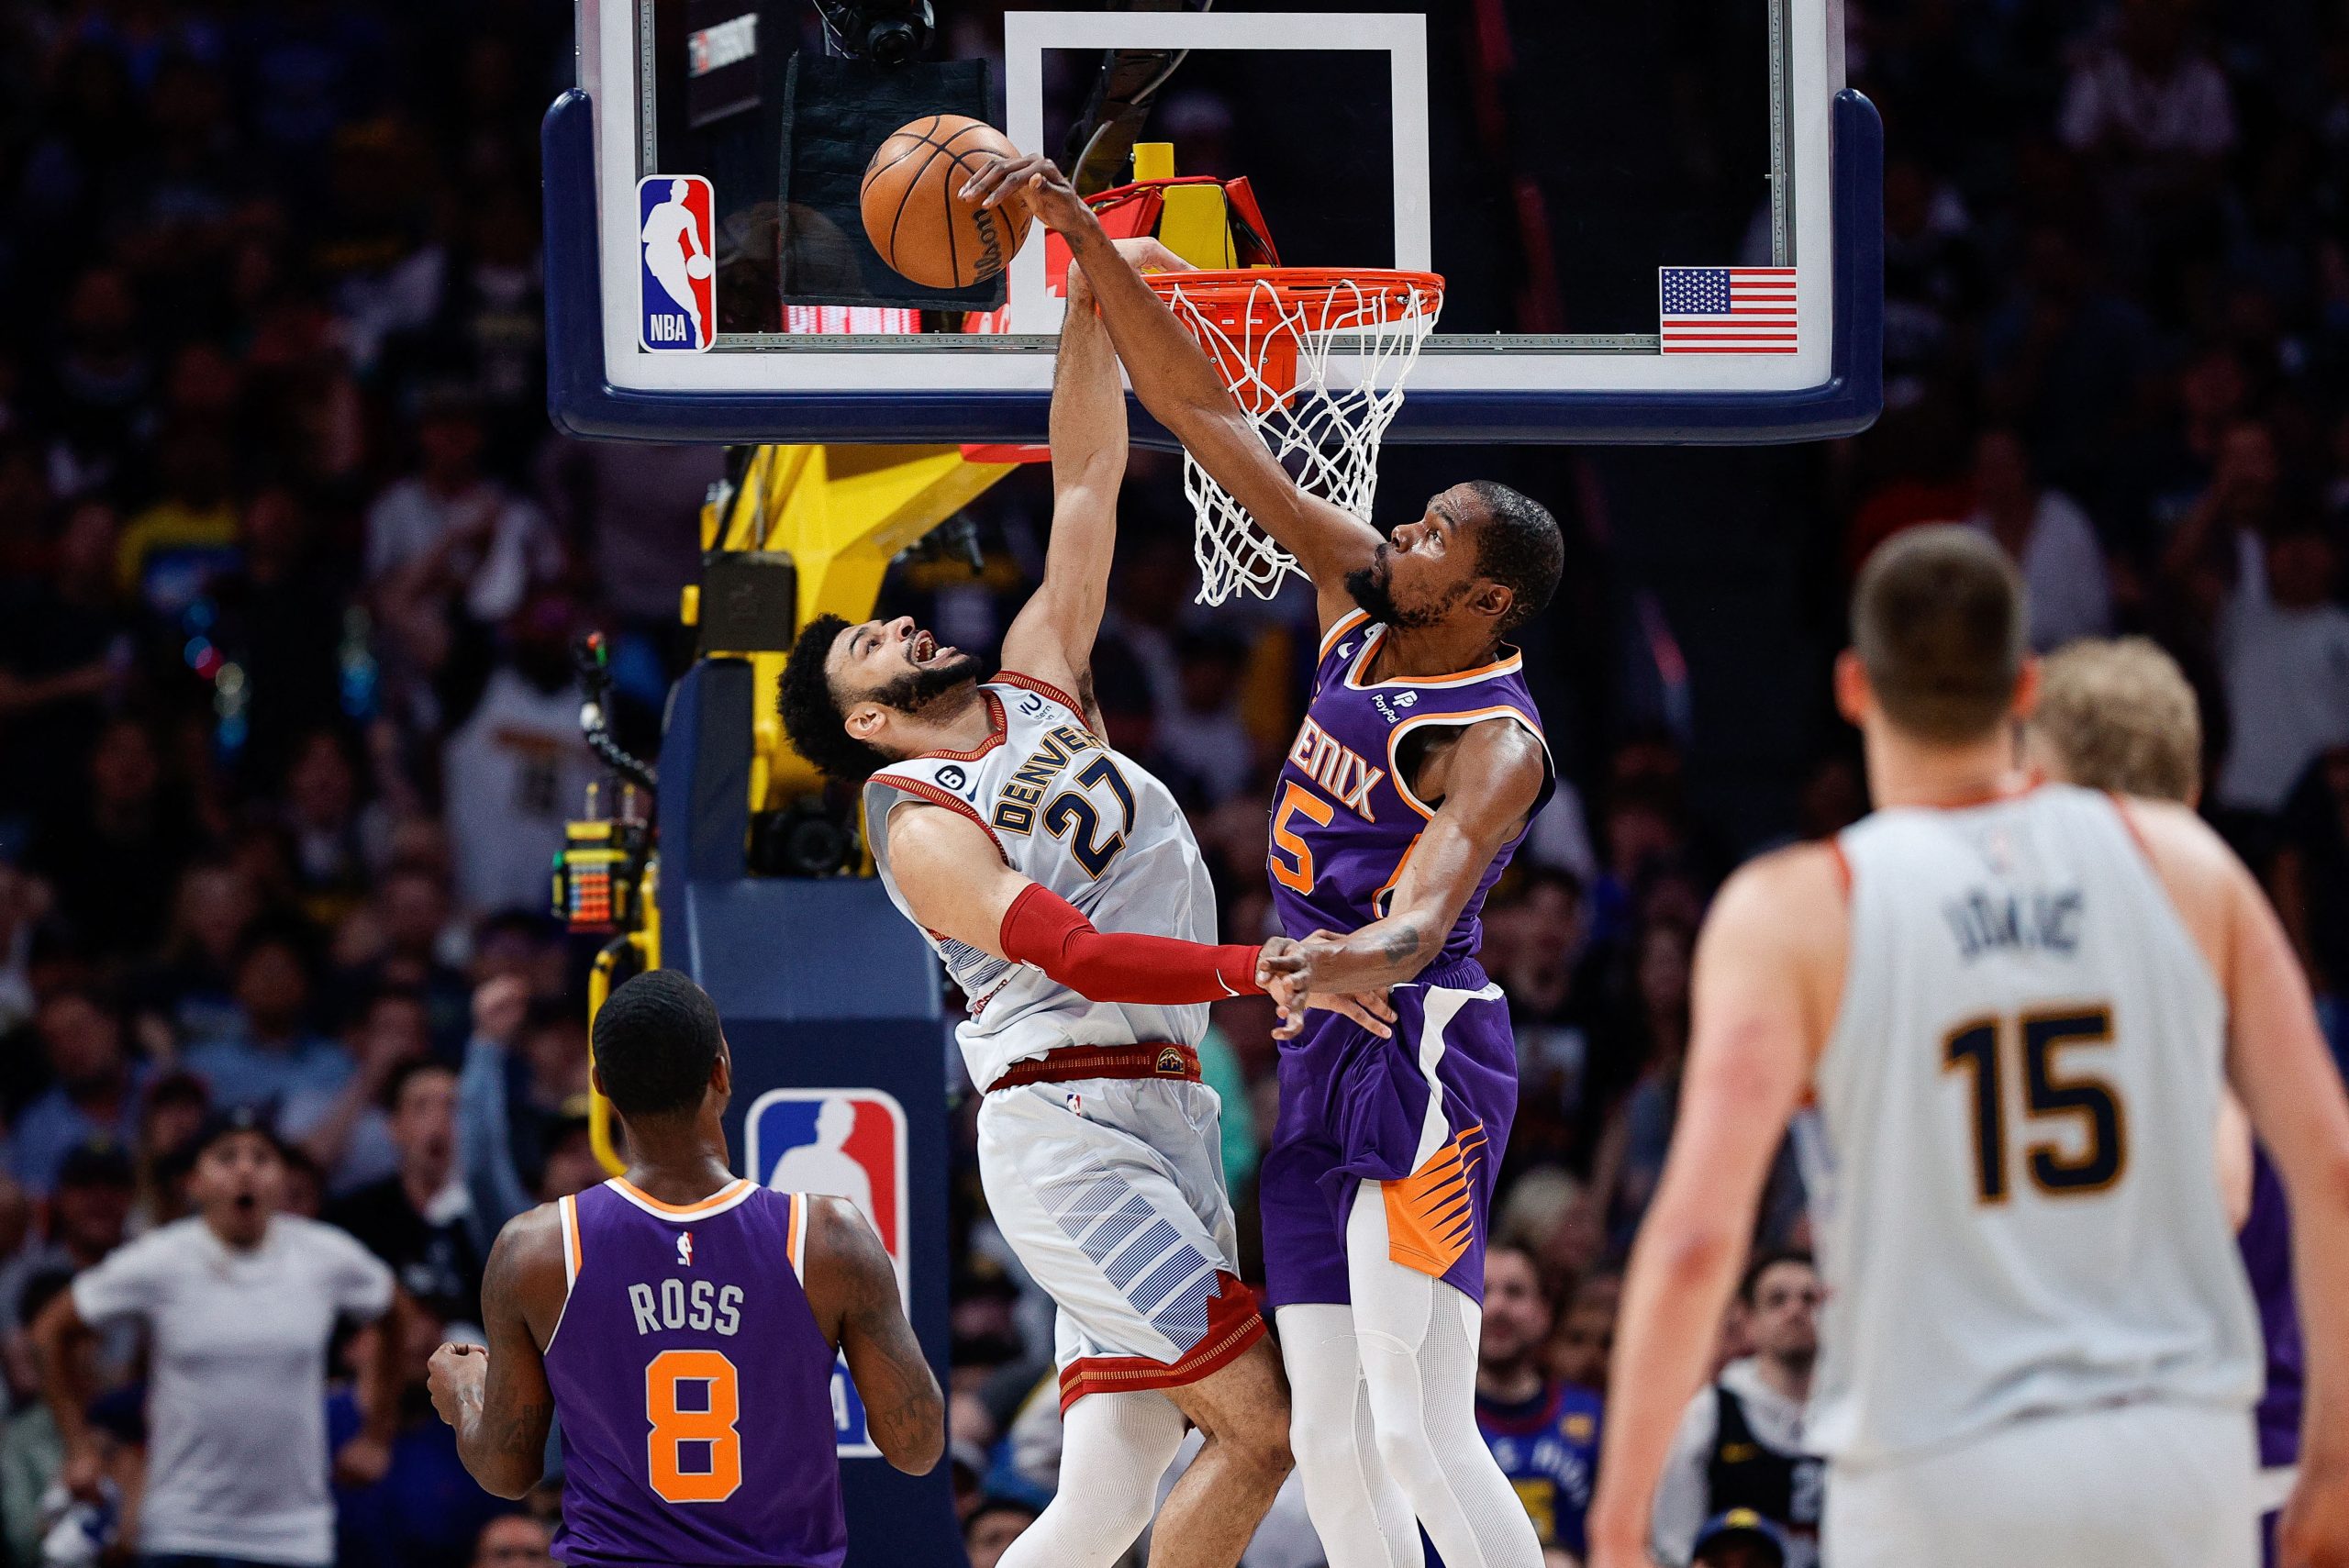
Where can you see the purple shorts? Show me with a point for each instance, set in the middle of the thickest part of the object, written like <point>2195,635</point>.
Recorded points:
<point>1426,1113</point>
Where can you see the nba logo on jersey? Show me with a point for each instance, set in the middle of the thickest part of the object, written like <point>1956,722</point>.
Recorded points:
<point>846,1143</point>
<point>677,279</point>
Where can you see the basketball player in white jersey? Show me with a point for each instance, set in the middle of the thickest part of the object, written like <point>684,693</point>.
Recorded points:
<point>1031,855</point>
<point>2015,1008</point>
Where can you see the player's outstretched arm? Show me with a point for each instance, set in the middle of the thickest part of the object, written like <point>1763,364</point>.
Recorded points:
<point>954,879</point>
<point>1755,1019</point>
<point>1180,386</point>
<point>497,1396</point>
<point>852,1289</point>
<point>1051,638</point>
<point>1495,771</point>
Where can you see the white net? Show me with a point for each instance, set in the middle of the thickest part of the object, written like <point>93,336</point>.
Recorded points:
<point>1316,360</point>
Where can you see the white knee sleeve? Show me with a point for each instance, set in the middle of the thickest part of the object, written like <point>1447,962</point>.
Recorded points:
<point>1114,1448</point>
<point>1417,1341</point>
<point>1356,1508</point>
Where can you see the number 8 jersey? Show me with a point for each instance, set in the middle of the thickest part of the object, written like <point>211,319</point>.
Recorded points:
<point>693,1385</point>
<point>1067,812</point>
<point>2011,1158</point>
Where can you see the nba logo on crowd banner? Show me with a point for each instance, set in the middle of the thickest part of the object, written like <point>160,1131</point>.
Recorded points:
<point>846,1143</point>
<point>678,281</point>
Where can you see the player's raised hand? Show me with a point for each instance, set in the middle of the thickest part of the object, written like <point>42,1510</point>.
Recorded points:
<point>1284,969</point>
<point>1037,178</point>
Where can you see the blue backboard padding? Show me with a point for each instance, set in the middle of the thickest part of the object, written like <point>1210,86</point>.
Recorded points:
<point>583,403</point>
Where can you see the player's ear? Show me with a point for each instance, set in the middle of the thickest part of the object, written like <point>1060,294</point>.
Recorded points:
<point>596,1078</point>
<point>1853,697</point>
<point>721,1071</point>
<point>865,722</point>
<point>1493,600</point>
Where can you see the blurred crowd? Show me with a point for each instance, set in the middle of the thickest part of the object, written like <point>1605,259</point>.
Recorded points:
<point>290,564</point>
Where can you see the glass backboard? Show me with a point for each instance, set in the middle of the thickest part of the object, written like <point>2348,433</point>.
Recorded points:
<point>1656,222</point>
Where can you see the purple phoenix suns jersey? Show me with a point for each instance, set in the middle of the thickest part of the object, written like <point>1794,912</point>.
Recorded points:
<point>693,1385</point>
<point>1345,819</point>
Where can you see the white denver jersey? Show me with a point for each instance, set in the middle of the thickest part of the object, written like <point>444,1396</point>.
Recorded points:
<point>1090,825</point>
<point>2010,1160</point>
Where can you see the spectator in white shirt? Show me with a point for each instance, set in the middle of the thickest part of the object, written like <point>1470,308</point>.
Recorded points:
<point>2284,658</point>
<point>2048,537</point>
<point>240,1301</point>
<point>452,526</point>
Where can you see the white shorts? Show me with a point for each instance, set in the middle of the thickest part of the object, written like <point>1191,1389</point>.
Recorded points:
<point>1111,1192</point>
<point>2145,1485</point>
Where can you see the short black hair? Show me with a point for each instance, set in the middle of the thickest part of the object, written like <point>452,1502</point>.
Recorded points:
<point>1764,1262</point>
<point>655,1039</point>
<point>813,719</point>
<point>1520,546</point>
<point>1940,623</point>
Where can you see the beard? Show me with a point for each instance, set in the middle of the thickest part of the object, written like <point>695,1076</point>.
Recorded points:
<point>1372,588</point>
<point>924,684</point>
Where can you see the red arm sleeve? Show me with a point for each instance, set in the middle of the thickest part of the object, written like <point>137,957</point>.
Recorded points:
<point>1045,930</point>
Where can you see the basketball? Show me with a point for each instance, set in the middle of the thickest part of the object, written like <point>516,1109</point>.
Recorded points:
<point>915,216</point>
<point>698,267</point>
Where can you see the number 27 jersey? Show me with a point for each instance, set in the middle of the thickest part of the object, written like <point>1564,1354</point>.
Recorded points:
<point>1083,821</point>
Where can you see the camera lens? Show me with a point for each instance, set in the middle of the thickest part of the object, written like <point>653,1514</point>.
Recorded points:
<point>892,42</point>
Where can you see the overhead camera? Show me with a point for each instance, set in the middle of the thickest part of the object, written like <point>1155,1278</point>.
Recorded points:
<point>887,32</point>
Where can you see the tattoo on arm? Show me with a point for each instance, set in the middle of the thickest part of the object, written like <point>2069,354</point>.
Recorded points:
<point>525,1432</point>
<point>1401,944</point>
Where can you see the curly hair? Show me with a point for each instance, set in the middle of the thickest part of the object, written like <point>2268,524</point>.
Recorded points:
<point>812,718</point>
<point>1518,546</point>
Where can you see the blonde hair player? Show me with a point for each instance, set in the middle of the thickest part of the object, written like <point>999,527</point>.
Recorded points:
<point>2015,1007</point>
<point>2118,714</point>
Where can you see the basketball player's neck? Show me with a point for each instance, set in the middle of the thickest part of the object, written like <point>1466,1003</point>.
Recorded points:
<point>959,721</point>
<point>1447,648</point>
<point>678,1158</point>
<point>1903,771</point>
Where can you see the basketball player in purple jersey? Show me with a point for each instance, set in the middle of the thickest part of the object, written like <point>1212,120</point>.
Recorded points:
<point>1418,769</point>
<point>2118,714</point>
<point>683,1322</point>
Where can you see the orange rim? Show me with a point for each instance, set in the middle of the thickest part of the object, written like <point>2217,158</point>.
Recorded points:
<point>1254,311</point>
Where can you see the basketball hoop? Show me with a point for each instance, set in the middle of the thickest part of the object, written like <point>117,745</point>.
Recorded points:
<point>1316,356</point>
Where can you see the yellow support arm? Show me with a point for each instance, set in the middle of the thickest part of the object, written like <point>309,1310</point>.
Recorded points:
<point>841,514</point>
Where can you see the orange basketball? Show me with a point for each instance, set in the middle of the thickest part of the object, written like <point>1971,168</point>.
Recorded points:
<point>917,220</point>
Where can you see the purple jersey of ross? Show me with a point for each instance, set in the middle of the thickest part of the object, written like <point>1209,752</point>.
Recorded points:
<point>1345,819</point>
<point>693,1385</point>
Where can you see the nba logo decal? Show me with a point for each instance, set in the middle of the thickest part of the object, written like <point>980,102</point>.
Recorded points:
<point>677,279</point>
<point>847,1144</point>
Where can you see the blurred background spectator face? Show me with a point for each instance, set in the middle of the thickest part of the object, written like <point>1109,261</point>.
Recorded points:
<point>240,1182</point>
<point>273,988</point>
<point>513,1541</point>
<point>424,1121</point>
<point>1516,1323</point>
<point>1585,1332</point>
<point>989,1531</point>
<point>84,1043</point>
<point>1782,1319</point>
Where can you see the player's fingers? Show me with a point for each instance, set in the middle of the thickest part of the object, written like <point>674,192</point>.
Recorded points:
<point>1360,1015</point>
<point>1376,1002</point>
<point>995,171</point>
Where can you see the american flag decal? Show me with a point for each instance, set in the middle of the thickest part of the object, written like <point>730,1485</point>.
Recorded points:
<point>1727,310</point>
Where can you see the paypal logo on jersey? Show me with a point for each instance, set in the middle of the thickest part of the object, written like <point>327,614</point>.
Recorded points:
<point>677,279</point>
<point>847,1143</point>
